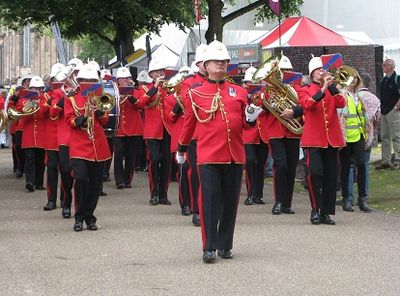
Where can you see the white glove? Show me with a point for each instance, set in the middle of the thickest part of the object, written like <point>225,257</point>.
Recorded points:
<point>180,158</point>
<point>252,112</point>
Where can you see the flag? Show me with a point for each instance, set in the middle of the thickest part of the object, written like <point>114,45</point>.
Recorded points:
<point>293,78</point>
<point>28,94</point>
<point>254,88</point>
<point>169,73</point>
<point>197,11</point>
<point>94,89</point>
<point>109,77</point>
<point>275,6</point>
<point>332,61</point>
<point>233,69</point>
<point>125,90</point>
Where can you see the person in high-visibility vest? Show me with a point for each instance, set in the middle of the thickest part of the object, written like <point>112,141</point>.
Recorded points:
<point>353,115</point>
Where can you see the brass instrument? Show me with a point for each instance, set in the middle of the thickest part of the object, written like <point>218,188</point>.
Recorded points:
<point>103,103</point>
<point>280,96</point>
<point>3,120</point>
<point>174,86</point>
<point>70,86</point>
<point>29,109</point>
<point>345,75</point>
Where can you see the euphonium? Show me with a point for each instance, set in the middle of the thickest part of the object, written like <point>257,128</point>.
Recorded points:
<point>70,85</point>
<point>280,96</point>
<point>30,108</point>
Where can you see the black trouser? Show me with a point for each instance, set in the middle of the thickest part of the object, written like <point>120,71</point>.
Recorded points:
<point>88,177</point>
<point>193,177</point>
<point>18,150</point>
<point>285,153</point>
<point>14,154</point>
<point>218,201</point>
<point>108,162</point>
<point>124,159</point>
<point>183,182</point>
<point>159,158</point>
<point>321,170</point>
<point>66,177</point>
<point>354,151</point>
<point>256,156</point>
<point>52,162</point>
<point>34,166</point>
<point>140,159</point>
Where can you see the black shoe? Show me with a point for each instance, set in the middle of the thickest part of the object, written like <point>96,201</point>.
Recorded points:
<point>196,219</point>
<point>51,205</point>
<point>164,201</point>
<point>78,226</point>
<point>120,186</point>
<point>154,200</point>
<point>66,213</point>
<point>326,219</point>
<point>346,204</point>
<point>91,226</point>
<point>40,187</point>
<point>30,187</point>
<point>185,211</point>
<point>249,201</point>
<point>127,185</point>
<point>276,209</point>
<point>102,193</point>
<point>364,206</point>
<point>19,174</point>
<point>315,217</point>
<point>209,256</point>
<point>225,254</point>
<point>259,200</point>
<point>106,178</point>
<point>287,210</point>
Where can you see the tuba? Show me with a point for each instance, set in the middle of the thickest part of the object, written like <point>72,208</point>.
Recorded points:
<point>280,96</point>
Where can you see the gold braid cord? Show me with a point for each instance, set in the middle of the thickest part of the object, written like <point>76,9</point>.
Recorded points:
<point>216,101</point>
<point>157,101</point>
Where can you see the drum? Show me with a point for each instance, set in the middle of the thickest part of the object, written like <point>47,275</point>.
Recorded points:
<point>111,127</point>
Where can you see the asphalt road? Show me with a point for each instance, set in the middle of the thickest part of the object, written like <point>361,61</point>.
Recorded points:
<point>153,250</point>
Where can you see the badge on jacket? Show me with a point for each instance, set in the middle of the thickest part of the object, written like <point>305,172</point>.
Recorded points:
<point>232,91</point>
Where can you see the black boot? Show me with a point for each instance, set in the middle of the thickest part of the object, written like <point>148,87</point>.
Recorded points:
<point>276,209</point>
<point>363,205</point>
<point>315,217</point>
<point>249,201</point>
<point>346,204</point>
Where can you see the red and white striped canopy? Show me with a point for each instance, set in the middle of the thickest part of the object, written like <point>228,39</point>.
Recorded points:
<point>302,31</point>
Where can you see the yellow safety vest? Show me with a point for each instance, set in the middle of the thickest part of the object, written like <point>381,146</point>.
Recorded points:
<point>355,120</point>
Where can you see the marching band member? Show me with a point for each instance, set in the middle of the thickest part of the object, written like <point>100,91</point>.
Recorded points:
<point>173,118</point>
<point>34,136</point>
<point>88,150</point>
<point>57,115</point>
<point>129,130</point>
<point>51,147</point>
<point>285,147</point>
<point>256,150</point>
<point>321,138</point>
<point>156,136</point>
<point>219,112</point>
<point>194,80</point>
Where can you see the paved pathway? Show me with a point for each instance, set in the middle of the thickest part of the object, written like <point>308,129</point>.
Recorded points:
<point>153,250</point>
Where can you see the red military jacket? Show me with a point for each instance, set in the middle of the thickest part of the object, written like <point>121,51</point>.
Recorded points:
<point>173,121</point>
<point>152,99</point>
<point>51,125</point>
<point>130,122</point>
<point>57,116</point>
<point>80,145</point>
<point>191,82</point>
<point>321,127</point>
<point>34,126</point>
<point>220,136</point>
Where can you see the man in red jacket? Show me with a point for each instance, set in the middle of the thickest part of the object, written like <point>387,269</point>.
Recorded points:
<point>219,111</point>
<point>156,135</point>
<point>88,150</point>
<point>322,137</point>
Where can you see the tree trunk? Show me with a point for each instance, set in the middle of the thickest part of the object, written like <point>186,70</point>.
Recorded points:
<point>215,25</point>
<point>123,42</point>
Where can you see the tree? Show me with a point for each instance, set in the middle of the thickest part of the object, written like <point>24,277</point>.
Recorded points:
<point>216,21</point>
<point>99,17</point>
